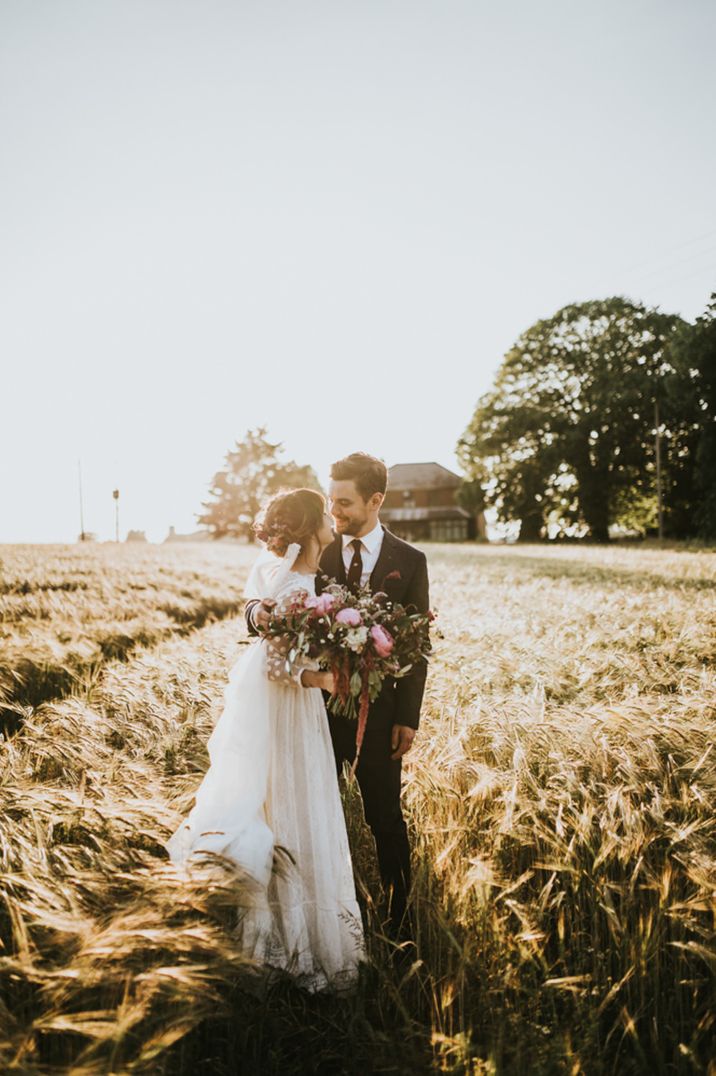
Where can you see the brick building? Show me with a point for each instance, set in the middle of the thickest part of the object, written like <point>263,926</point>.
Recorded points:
<point>420,505</point>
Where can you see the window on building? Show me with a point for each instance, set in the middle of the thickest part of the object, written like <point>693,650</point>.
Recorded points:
<point>448,530</point>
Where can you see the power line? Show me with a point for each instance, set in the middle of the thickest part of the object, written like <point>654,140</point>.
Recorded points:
<point>655,278</point>
<point>706,269</point>
<point>670,250</point>
<point>690,259</point>
<point>650,277</point>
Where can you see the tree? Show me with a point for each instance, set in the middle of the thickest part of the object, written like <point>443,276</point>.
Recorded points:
<point>691,394</point>
<point>471,496</point>
<point>704,354</point>
<point>506,452</point>
<point>253,473</point>
<point>679,428</point>
<point>567,433</point>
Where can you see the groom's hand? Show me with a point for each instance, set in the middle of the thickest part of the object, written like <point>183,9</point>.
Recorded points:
<point>401,740</point>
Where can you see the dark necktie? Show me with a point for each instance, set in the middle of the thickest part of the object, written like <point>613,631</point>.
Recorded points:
<point>355,568</point>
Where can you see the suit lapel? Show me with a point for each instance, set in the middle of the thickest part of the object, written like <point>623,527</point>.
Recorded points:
<point>385,562</point>
<point>332,567</point>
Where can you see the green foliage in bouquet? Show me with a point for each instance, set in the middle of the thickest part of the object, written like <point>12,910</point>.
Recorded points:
<point>362,638</point>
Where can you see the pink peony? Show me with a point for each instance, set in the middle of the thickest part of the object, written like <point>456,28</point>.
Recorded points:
<point>311,602</point>
<point>351,617</point>
<point>324,604</point>
<point>382,641</point>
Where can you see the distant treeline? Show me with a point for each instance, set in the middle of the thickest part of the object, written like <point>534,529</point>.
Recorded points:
<point>600,417</point>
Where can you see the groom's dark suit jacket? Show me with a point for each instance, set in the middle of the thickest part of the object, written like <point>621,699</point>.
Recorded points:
<point>402,572</point>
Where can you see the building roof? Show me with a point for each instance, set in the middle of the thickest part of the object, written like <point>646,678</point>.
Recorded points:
<point>195,536</point>
<point>422,476</point>
<point>406,515</point>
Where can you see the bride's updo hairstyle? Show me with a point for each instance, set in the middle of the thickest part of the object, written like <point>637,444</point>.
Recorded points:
<point>290,517</point>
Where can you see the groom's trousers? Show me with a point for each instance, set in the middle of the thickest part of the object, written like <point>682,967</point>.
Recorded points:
<point>379,780</point>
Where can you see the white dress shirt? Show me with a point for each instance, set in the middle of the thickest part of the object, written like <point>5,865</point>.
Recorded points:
<point>371,545</point>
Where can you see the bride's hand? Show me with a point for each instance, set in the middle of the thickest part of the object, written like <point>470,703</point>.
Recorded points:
<point>324,680</point>
<point>261,614</point>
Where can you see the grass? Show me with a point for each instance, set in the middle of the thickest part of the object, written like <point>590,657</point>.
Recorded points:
<point>560,800</point>
<point>67,610</point>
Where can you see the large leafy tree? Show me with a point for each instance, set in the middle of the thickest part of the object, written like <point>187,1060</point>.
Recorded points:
<point>704,354</point>
<point>253,472</point>
<point>506,450</point>
<point>568,431</point>
<point>690,396</point>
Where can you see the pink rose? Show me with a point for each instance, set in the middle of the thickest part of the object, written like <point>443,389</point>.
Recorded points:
<point>324,604</point>
<point>311,602</point>
<point>382,641</point>
<point>350,617</point>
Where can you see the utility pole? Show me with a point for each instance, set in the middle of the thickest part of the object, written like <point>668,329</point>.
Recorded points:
<point>82,514</point>
<point>659,496</point>
<point>115,494</point>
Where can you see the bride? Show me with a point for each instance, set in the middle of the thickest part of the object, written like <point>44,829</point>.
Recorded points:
<point>272,781</point>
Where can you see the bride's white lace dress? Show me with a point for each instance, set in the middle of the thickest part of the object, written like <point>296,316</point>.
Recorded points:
<point>272,786</point>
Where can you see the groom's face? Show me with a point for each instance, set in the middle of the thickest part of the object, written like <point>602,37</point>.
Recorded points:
<point>351,513</point>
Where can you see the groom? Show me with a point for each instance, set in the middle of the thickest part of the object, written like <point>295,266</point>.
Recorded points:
<point>364,552</point>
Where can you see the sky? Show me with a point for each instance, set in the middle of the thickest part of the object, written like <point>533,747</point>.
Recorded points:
<point>329,218</point>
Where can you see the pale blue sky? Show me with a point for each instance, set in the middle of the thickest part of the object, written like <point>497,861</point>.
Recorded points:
<point>332,218</point>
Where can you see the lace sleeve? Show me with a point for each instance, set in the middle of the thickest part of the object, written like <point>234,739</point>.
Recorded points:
<point>280,669</point>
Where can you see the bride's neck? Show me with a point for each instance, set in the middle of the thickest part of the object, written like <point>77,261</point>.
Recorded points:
<point>307,560</point>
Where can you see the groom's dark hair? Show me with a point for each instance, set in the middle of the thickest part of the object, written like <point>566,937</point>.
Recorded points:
<point>369,474</point>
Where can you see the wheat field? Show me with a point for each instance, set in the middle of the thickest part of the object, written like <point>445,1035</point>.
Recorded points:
<point>560,800</point>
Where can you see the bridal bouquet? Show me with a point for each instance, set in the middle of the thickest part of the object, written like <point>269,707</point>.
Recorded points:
<point>361,638</point>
